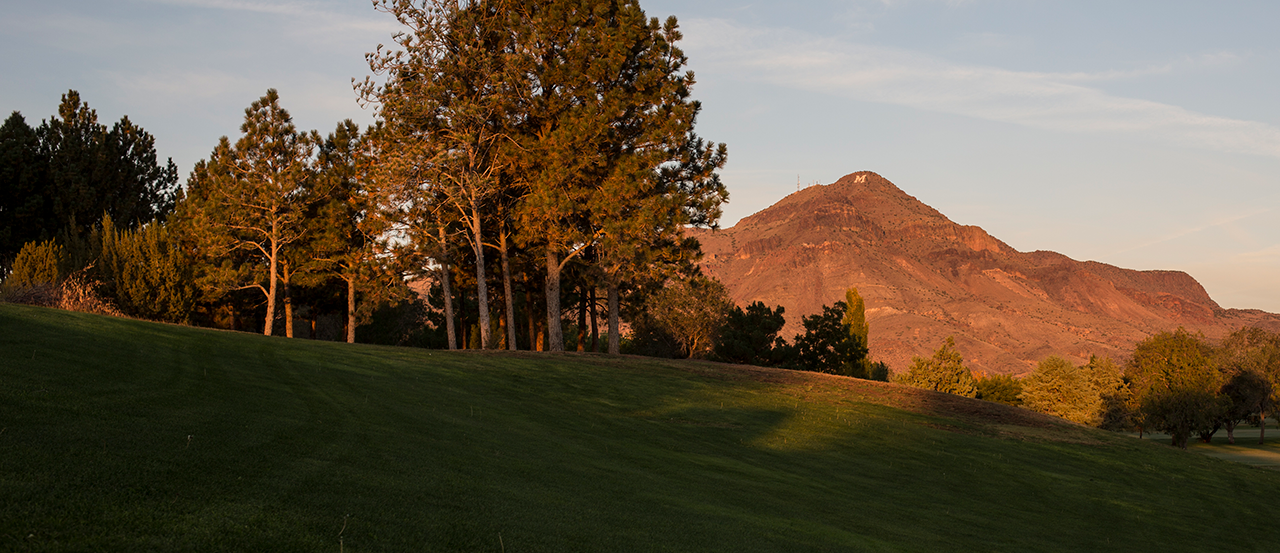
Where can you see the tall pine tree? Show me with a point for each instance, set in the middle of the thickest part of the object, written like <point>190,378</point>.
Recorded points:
<point>254,196</point>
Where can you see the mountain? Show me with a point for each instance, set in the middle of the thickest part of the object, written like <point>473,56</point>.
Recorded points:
<point>925,278</point>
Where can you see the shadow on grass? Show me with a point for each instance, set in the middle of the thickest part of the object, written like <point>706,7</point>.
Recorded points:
<point>135,436</point>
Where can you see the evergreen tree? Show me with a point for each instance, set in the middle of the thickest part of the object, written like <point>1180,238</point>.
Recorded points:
<point>448,104</point>
<point>750,336</point>
<point>23,202</point>
<point>145,272</point>
<point>944,372</point>
<point>59,179</point>
<point>1059,388</point>
<point>38,263</point>
<point>573,114</point>
<point>349,236</point>
<point>93,171</point>
<point>829,345</point>
<point>254,197</point>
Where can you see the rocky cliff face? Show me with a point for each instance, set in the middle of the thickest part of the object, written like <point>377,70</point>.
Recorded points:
<point>925,278</point>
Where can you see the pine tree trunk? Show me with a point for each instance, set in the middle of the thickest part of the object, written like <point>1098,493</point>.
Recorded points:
<point>529,313</point>
<point>582,317</point>
<point>510,296</point>
<point>447,291</point>
<point>615,341</point>
<point>555,334</point>
<point>271,291</point>
<point>288,310</point>
<point>595,331</point>
<point>351,310</point>
<point>482,286</point>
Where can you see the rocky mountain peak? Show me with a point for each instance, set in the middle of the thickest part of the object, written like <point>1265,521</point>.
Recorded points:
<point>925,278</point>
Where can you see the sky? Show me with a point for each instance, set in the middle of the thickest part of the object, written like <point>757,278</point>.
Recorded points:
<point>1143,134</point>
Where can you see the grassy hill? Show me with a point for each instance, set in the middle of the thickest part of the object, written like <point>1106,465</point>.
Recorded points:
<point>120,435</point>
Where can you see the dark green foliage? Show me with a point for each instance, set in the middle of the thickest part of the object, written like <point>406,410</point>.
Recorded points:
<point>62,177</point>
<point>1255,351</point>
<point>1247,393</point>
<point>828,346</point>
<point>999,388</point>
<point>145,272</point>
<point>689,312</point>
<point>22,189</point>
<point>878,370</point>
<point>405,323</point>
<point>750,336</point>
<point>1175,382</point>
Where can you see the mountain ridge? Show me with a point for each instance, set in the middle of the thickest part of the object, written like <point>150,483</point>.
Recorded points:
<point>925,277</point>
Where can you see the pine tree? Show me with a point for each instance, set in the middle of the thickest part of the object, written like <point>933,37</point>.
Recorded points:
<point>23,202</point>
<point>253,197</point>
<point>95,171</point>
<point>610,111</point>
<point>58,180</point>
<point>447,106</point>
<point>348,238</point>
<point>577,112</point>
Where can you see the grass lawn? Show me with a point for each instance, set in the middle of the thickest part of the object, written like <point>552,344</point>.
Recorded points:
<point>120,435</point>
<point>1246,450</point>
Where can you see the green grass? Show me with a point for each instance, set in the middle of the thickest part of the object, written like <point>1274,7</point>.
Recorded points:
<point>1246,450</point>
<point>120,435</point>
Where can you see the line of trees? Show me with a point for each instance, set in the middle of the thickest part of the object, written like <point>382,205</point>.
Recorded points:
<point>61,178</point>
<point>1176,382</point>
<point>543,150</point>
<point>694,317</point>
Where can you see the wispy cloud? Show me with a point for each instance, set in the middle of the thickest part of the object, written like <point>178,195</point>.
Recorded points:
<point>1183,233</point>
<point>330,18</point>
<point>1054,101</point>
<point>1269,254</point>
<point>284,8</point>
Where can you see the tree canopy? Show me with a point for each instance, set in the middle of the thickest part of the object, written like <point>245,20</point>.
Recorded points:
<point>1175,383</point>
<point>943,372</point>
<point>59,179</point>
<point>569,120</point>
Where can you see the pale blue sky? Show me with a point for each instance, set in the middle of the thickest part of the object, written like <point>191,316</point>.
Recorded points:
<point>1144,134</point>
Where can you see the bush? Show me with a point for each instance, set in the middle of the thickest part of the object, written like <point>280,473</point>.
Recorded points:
<point>1000,388</point>
<point>38,263</point>
<point>944,372</point>
<point>1059,388</point>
